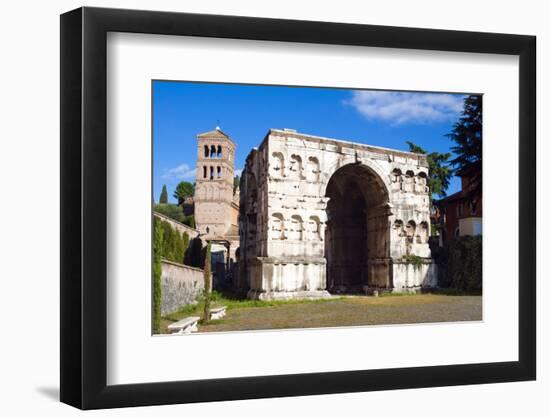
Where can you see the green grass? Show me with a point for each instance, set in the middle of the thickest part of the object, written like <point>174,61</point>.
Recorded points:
<point>244,314</point>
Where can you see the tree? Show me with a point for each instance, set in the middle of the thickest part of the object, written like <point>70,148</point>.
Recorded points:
<point>171,210</point>
<point>467,135</point>
<point>163,195</point>
<point>440,171</point>
<point>194,253</point>
<point>189,221</point>
<point>183,190</point>
<point>236,181</point>
<point>207,284</point>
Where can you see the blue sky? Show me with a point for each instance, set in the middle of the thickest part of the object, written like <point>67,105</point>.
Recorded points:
<point>181,110</point>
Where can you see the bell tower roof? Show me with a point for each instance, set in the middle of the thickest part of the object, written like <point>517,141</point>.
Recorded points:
<point>217,133</point>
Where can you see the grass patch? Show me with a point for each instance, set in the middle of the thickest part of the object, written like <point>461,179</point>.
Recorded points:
<point>232,302</point>
<point>388,308</point>
<point>397,294</point>
<point>455,292</point>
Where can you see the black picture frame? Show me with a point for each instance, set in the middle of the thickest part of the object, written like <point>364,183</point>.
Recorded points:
<point>84,207</point>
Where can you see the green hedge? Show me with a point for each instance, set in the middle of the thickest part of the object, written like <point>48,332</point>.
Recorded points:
<point>158,242</point>
<point>168,244</point>
<point>460,263</point>
<point>174,243</point>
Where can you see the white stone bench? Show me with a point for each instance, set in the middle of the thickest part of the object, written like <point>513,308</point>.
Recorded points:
<point>217,313</point>
<point>184,326</point>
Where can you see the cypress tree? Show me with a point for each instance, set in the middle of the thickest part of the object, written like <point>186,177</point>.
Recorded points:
<point>163,195</point>
<point>207,284</point>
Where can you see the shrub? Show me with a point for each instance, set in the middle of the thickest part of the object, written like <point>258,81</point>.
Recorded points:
<point>460,263</point>
<point>189,220</point>
<point>170,210</point>
<point>414,260</point>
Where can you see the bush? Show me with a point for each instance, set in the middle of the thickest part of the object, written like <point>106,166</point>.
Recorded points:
<point>460,263</point>
<point>176,213</point>
<point>170,210</point>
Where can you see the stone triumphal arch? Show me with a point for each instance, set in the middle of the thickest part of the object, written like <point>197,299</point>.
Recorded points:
<point>320,216</point>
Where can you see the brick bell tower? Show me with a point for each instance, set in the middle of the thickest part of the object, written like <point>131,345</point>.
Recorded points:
<point>214,212</point>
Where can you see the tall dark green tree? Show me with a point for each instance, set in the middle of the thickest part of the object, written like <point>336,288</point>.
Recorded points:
<point>163,195</point>
<point>440,171</point>
<point>467,136</point>
<point>183,190</point>
<point>236,181</point>
<point>207,284</point>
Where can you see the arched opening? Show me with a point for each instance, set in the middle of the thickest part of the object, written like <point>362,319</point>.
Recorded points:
<point>277,226</point>
<point>408,184</point>
<point>219,153</point>
<point>312,173</point>
<point>206,153</point>
<point>396,179</point>
<point>278,165</point>
<point>296,228</point>
<point>213,151</point>
<point>422,183</point>
<point>357,232</point>
<point>295,167</point>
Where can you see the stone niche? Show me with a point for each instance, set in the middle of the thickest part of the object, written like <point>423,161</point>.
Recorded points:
<point>320,216</point>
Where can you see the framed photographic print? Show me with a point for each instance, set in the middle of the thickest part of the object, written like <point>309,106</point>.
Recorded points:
<point>257,208</point>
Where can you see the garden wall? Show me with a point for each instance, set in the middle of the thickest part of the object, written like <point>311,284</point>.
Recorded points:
<point>181,285</point>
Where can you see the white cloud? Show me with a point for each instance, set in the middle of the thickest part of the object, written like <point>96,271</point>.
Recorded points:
<point>181,172</point>
<point>407,107</point>
<point>238,172</point>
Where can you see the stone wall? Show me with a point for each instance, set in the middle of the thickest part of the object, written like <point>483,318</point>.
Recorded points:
<point>180,227</point>
<point>181,285</point>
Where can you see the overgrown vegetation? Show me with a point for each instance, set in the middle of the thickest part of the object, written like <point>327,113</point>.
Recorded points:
<point>174,244</point>
<point>175,212</point>
<point>415,260</point>
<point>158,243</point>
<point>459,263</point>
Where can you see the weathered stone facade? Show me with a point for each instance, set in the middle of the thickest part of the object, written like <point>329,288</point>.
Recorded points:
<point>215,204</point>
<point>321,216</point>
